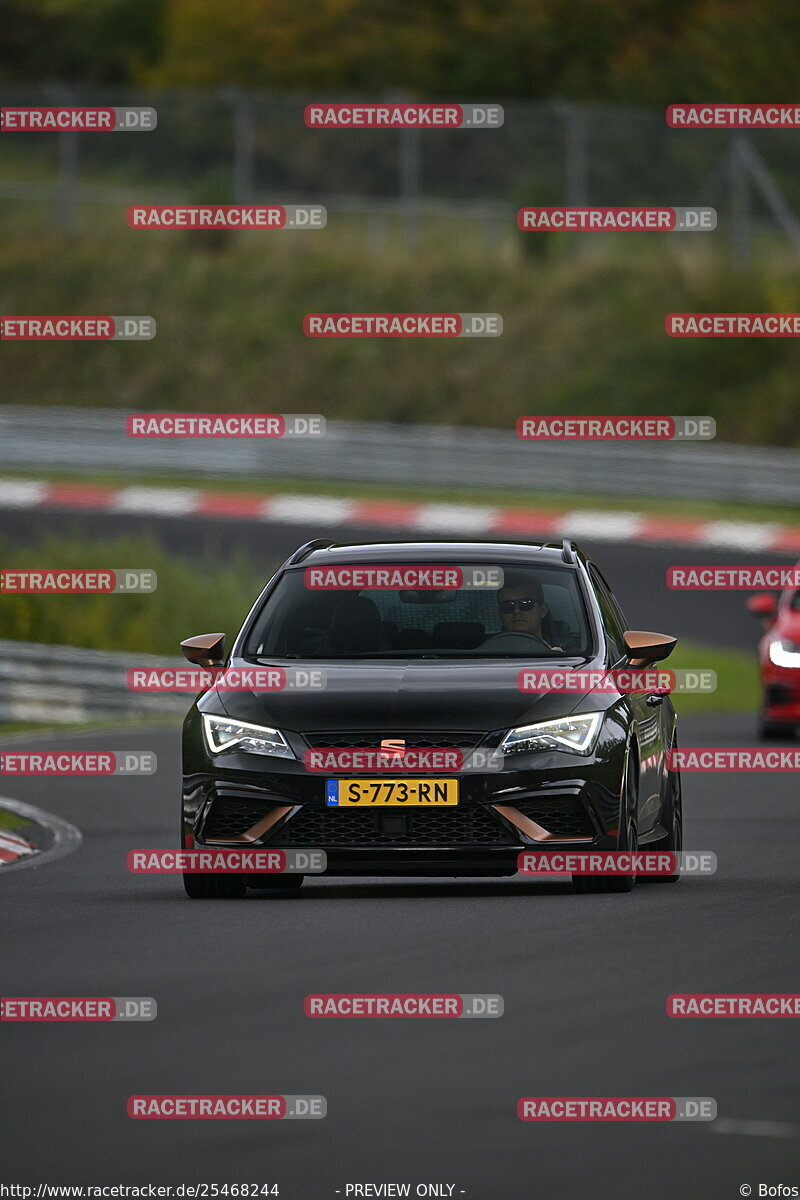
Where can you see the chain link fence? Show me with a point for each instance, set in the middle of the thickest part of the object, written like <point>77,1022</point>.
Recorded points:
<point>233,146</point>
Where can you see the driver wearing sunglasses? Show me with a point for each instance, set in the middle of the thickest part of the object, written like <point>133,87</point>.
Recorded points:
<point>522,609</point>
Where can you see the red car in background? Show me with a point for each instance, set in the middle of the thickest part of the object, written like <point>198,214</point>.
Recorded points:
<point>779,660</point>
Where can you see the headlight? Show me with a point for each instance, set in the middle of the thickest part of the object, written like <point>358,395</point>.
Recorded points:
<point>784,654</point>
<point>577,734</point>
<point>225,734</point>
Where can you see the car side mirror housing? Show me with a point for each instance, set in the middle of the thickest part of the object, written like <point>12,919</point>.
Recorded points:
<point>763,604</point>
<point>205,650</point>
<point>644,648</point>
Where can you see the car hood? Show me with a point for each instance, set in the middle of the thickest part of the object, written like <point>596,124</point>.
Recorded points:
<point>389,697</point>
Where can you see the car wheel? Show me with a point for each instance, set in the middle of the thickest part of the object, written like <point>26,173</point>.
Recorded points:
<point>214,887</point>
<point>673,842</point>
<point>773,731</point>
<point>627,841</point>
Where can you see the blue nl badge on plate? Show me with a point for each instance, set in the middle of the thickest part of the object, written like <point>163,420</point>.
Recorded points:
<point>332,793</point>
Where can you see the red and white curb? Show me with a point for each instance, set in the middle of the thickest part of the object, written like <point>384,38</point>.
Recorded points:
<point>17,854</point>
<point>13,848</point>
<point>435,519</point>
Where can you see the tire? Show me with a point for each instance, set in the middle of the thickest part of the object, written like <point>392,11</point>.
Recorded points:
<point>773,731</point>
<point>593,884</point>
<point>275,883</point>
<point>214,887</point>
<point>673,842</point>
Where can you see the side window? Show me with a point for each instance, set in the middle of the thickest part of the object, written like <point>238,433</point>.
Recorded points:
<point>613,620</point>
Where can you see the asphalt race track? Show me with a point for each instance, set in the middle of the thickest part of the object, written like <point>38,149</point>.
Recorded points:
<point>584,980</point>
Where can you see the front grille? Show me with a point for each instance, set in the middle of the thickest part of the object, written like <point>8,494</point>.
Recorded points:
<point>469,825</point>
<point>231,817</point>
<point>564,816</point>
<point>416,740</point>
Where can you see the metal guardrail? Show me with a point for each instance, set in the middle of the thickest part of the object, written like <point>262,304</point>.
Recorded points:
<point>66,685</point>
<point>86,441</point>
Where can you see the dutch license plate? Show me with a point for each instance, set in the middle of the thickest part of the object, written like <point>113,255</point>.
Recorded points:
<point>368,793</point>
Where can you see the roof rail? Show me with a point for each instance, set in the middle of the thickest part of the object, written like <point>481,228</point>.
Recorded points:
<point>568,549</point>
<point>304,551</point>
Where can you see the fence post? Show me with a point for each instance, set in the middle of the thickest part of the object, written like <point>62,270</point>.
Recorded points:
<point>576,160</point>
<point>410,182</point>
<point>66,195</point>
<point>741,216</point>
<point>764,182</point>
<point>244,144</point>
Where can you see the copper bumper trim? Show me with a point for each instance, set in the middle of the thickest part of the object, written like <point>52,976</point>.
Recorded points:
<point>534,831</point>
<point>255,831</point>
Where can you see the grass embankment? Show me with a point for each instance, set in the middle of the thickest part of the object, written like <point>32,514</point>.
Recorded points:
<point>190,598</point>
<point>583,333</point>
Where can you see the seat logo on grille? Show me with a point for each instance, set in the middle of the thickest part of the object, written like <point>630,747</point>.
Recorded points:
<point>394,747</point>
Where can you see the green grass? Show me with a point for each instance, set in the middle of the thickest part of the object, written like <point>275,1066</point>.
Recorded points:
<point>9,820</point>
<point>737,679</point>
<point>583,333</point>
<point>191,597</point>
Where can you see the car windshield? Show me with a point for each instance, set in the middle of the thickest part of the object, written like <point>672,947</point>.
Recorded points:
<point>538,613</point>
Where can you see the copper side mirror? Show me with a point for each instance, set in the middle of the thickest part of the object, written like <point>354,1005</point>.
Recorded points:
<point>644,648</point>
<point>205,650</point>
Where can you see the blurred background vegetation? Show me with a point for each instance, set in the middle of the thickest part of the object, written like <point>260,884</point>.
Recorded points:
<point>637,51</point>
<point>582,334</point>
<point>584,317</point>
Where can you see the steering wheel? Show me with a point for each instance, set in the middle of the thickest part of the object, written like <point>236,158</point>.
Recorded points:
<point>510,638</point>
